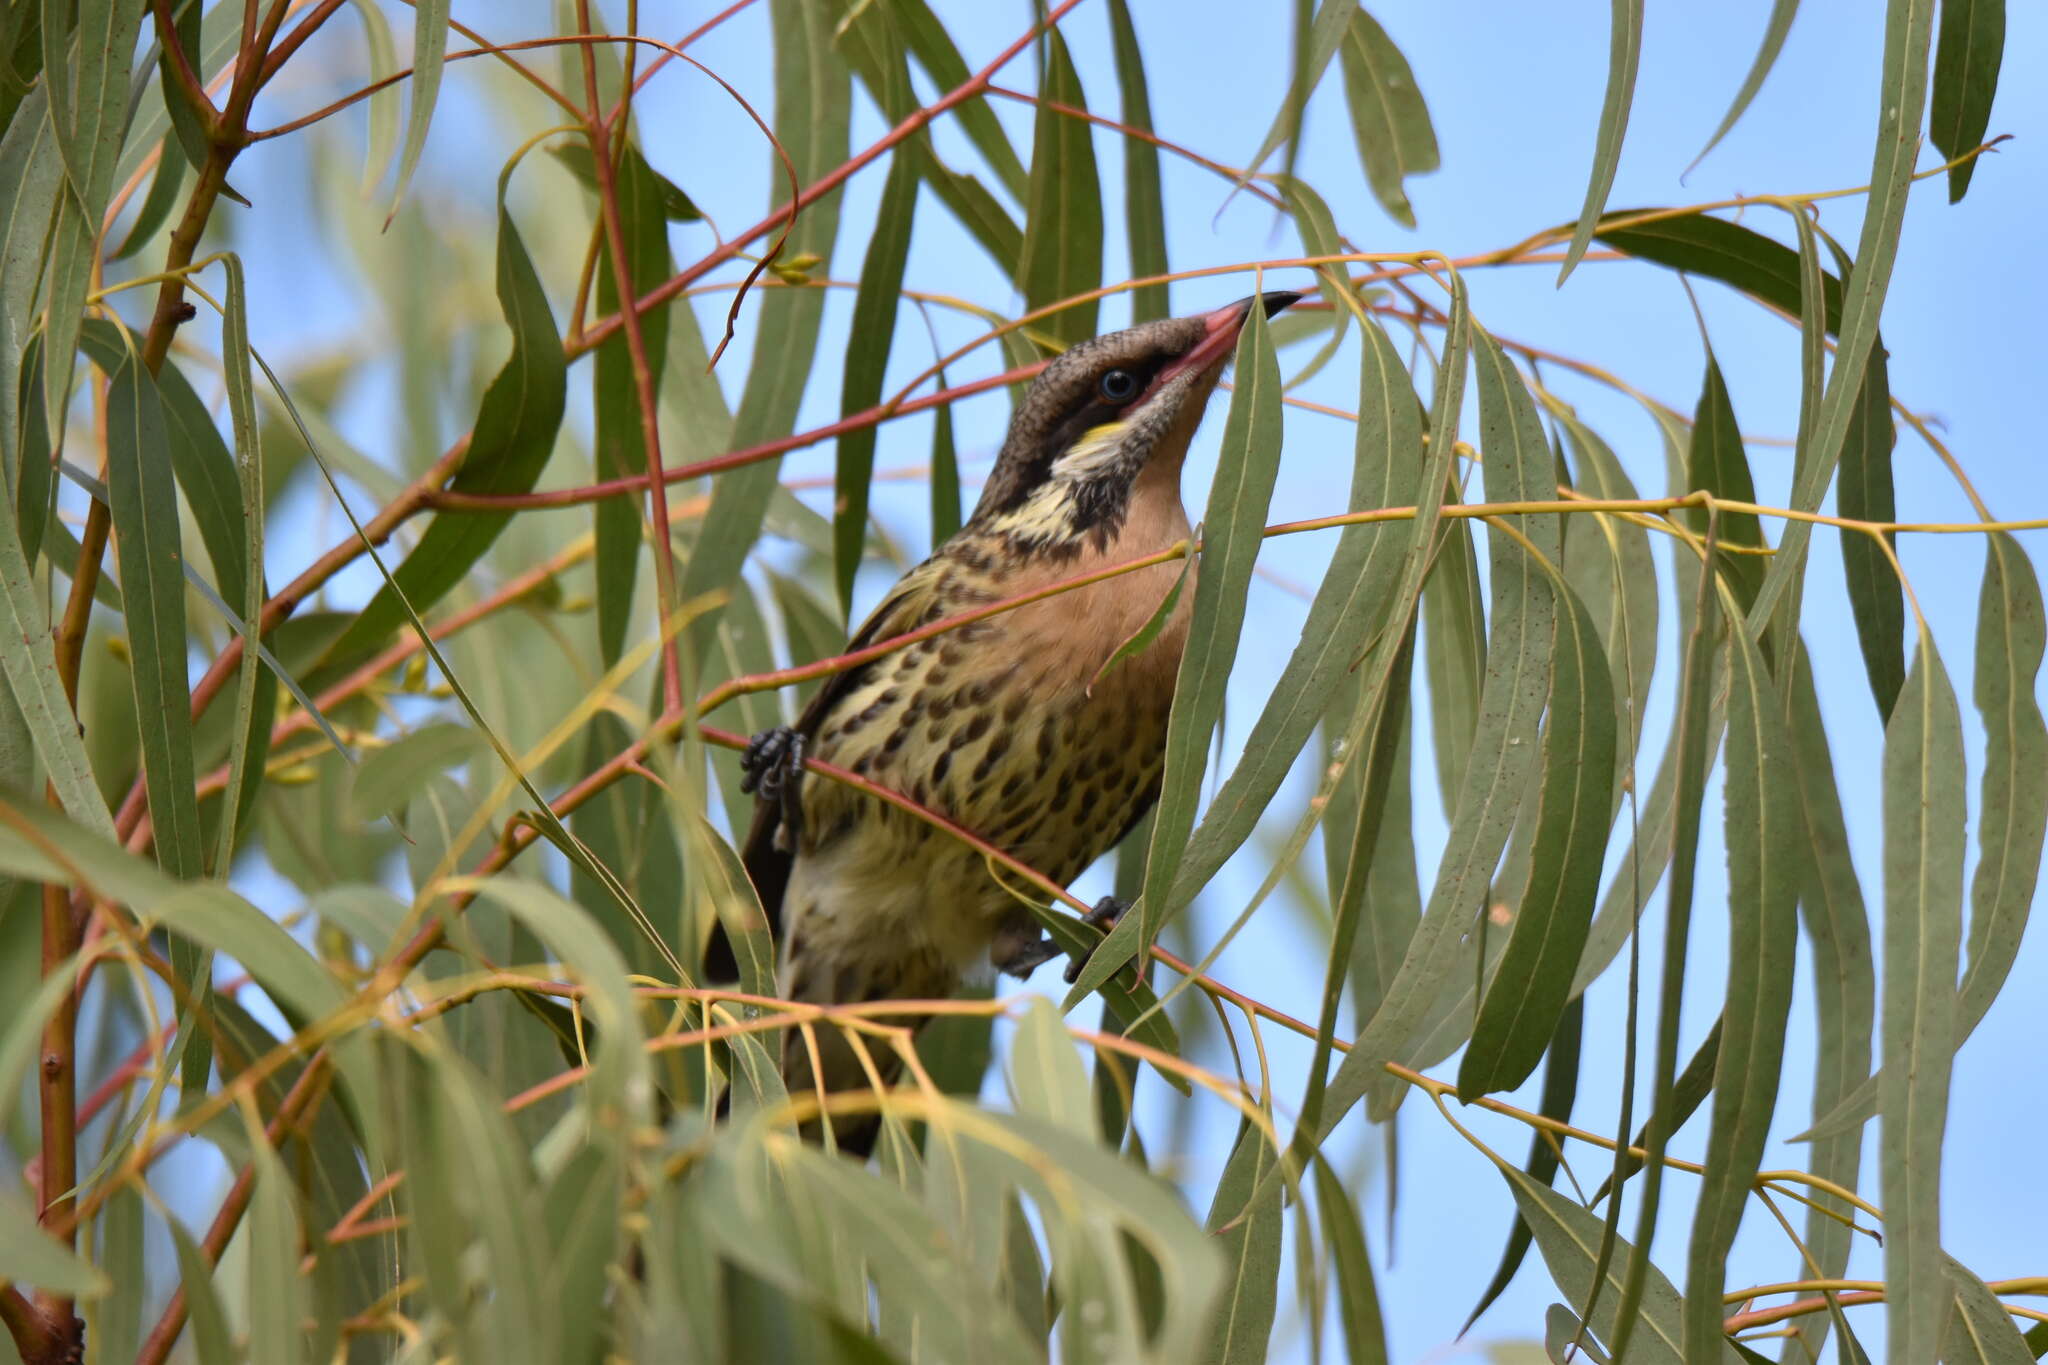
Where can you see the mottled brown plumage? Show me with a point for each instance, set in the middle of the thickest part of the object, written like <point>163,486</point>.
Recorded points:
<point>994,725</point>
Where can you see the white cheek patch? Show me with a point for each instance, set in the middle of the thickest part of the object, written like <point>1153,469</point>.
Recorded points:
<point>1098,448</point>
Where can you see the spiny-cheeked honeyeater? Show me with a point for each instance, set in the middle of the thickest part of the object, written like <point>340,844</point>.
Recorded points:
<point>993,725</point>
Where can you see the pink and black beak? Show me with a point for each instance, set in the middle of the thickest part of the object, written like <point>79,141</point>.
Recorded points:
<point>1220,329</point>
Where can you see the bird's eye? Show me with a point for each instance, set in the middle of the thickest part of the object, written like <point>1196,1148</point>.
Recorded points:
<point>1118,386</point>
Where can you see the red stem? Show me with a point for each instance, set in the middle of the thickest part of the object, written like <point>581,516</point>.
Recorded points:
<point>636,352</point>
<point>973,86</point>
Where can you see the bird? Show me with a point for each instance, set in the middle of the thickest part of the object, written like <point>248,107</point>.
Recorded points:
<point>1008,726</point>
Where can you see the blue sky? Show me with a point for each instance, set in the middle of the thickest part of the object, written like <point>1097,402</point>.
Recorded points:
<point>1514,92</point>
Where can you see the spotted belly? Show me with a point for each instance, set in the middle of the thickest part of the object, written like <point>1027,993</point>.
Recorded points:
<point>1051,774</point>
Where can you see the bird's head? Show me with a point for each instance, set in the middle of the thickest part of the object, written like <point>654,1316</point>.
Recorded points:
<point>1106,414</point>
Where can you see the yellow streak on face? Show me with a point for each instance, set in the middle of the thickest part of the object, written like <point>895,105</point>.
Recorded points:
<point>1097,447</point>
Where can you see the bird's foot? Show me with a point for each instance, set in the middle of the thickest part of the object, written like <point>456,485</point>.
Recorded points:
<point>1103,918</point>
<point>1020,955</point>
<point>1022,949</point>
<point>772,769</point>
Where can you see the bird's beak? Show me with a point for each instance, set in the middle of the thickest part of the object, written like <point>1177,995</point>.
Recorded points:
<point>1220,329</point>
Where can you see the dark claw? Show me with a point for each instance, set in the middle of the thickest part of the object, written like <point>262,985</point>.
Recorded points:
<point>1022,962</point>
<point>772,768</point>
<point>1103,917</point>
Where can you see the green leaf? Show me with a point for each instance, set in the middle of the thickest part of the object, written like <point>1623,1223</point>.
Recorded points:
<point>1864,491</point>
<point>1902,100</point>
<point>1245,1219</point>
<point>30,1255</point>
<point>209,1325</point>
<point>1739,257</point>
<point>945,473</point>
<point>1144,204</point>
<point>619,448</point>
<point>392,775</point>
<point>1562,1334</point>
<point>117,1323</point>
<point>1317,228</point>
<point>874,323</point>
<point>1063,209</point>
<point>1923,921</point>
<point>1624,54</point>
<point>941,60</point>
<point>1979,1331</point>
<point>472,1198</point>
<point>1845,983</point>
<point>205,469</point>
<point>1454,652</point>
<point>1715,461</point>
<point>1761,814</point>
<point>277,1298</point>
<point>88,108</point>
<point>1614,573</point>
<point>216,918</point>
<point>1530,990</point>
<point>1560,1092</point>
<point>1692,754</point>
<point>1233,528</point>
<point>515,430</point>
<point>2014,799</point>
<point>382,141</point>
<point>429,55</point>
<point>1046,1076</point>
<point>34,173</point>
<point>618,1081</point>
<point>1518,468</point>
<point>1132,999</point>
<point>718,875</point>
<point>812,99</point>
<point>1314,45</point>
<point>1358,1297</point>
<point>910,1261</point>
<point>144,508</point>
<point>585,1220</point>
<point>1140,640</point>
<point>1389,120</point>
<point>1569,1236</point>
<point>187,121</point>
<point>1775,29</point>
<point>164,187</point>
<point>251,742</point>
<point>1965,81</point>
<point>664,202</point>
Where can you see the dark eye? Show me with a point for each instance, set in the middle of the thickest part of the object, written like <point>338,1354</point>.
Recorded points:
<point>1118,386</point>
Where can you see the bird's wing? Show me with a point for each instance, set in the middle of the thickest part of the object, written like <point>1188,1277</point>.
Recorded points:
<point>767,863</point>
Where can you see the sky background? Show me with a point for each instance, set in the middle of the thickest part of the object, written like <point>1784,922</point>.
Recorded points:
<point>1514,92</point>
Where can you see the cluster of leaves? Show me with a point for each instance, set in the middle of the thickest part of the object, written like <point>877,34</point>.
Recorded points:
<point>476,1095</point>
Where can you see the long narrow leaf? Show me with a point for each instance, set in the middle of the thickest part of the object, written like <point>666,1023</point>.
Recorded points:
<point>1232,531</point>
<point>874,321</point>
<point>812,105</point>
<point>1389,120</point>
<point>144,509</point>
<point>1902,100</point>
<point>1773,42</point>
<point>620,448</point>
<point>1144,204</point>
<point>1965,80</point>
<point>429,56</point>
<point>1519,467</point>
<point>1624,54</point>
<point>1761,825</point>
<point>1923,922</point>
<point>515,432</point>
<point>1063,216</point>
